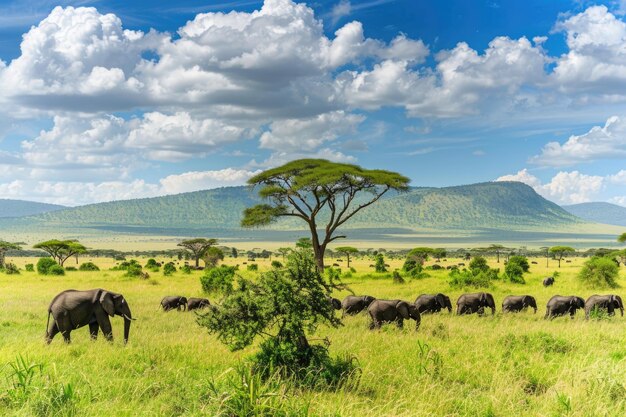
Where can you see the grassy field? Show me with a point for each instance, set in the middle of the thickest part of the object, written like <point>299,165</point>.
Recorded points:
<point>453,366</point>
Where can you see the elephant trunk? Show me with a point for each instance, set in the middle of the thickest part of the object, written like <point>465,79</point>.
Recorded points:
<point>127,321</point>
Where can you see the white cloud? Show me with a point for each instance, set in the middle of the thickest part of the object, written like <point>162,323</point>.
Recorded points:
<point>619,178</point>
<point>202,180</point>
<point>601,142</point>
<point>564,188</point>
<point>620,200</point>
<point>341,9</point>
<point>297,135</point>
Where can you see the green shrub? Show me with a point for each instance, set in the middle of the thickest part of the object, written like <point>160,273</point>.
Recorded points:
<point>514,273</point>
<point>88,266</point>
<point>353,270</point>
<point>479,263</point>
<point>152,265</point>
<point>56,270</point>
<point>252,267</point>
<point>521,261</point>
<point>218,279</point>
<point>29,267</point>
<point>379,266</point>
<point>71,268</point>
<point>133,270</point>
<point>472,278</point>
<point>44,265</point>
<point>11,269</point>
<point>397,278</point>
<point>599,272</point>
<point>169,268</point>
<point>185,269</point>
<point>277,264</point>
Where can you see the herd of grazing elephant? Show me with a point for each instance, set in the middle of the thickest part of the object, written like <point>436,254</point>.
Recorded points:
<point>72,309</point>
<point>396,311</point>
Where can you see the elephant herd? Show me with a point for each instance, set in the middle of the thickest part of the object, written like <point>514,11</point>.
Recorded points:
<point>72,309</point>
<point>396,311</point>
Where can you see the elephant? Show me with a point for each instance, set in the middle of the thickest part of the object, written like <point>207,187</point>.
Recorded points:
<point>548,282</point>
<point>515,303</point>
<point>389,311</point>
<point>72,309</point>
<point>559,306</point>
<point>334,303</point>
<point>353,304</point>
<point>475,303</point>
<point>433,303</point>
<point>604,302</point>
<point>172,302</point>
<point>197,303</point>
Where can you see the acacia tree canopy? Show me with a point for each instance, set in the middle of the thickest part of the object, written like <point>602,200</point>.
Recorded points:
<point>4,248</point>
<point>306,188</point>
<point>347,251</point>
<point>61,250</point>
<point>560,251</point>
<point>198,247</point>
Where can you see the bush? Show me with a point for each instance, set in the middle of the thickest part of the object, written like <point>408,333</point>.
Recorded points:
<point>276,264</point>
<point>252,267</point>
<point>352,270</point>
<point>379,266</point>
<point>479,263</point>
<point>44,265</point>
<point>11,269</point>
<point>152,265</point>
<point>88,266</point>
<point>476,278</point>
<point>56,270</point>
<point>71,268</point>
<point>514,273</point>
<point>218,279</point>
<point>397,278</point>
<point>29,267</point>
<point>185,269</point>
<point>169,268</point>
<point>522,261</point>
<point>599,273</point>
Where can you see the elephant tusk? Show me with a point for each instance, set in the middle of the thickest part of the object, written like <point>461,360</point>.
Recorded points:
<point>128,318</point>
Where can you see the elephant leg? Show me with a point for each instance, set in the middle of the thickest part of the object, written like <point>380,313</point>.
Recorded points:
<point>481,311</point>
<point>400,323</point>
<point>105,324</point>
<point>93,330</point>
<point>66,336</point>
<point>547,316</point>
<point>54,329</point>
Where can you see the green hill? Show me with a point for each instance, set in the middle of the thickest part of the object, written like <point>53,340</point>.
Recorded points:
<point>19,208</point>
<point>502,205</point>
<point>606,213</point>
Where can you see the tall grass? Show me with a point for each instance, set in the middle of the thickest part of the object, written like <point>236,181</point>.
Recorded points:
<point>507,364</point>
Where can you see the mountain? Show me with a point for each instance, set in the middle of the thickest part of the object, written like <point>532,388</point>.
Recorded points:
<point>497,205</point>
<point>606,213</point>
<point>20,208</point>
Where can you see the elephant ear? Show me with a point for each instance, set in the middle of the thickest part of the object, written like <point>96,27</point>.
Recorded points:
<point>526,301</point>
<point>106,301</point>
<point>441,300</point>
<point>403,309</point>
<point>483,298</point>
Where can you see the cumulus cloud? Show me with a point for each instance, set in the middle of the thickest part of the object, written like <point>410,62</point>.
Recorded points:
<point>564,188</point>
<point>601,142</point>
<point>202,180</point>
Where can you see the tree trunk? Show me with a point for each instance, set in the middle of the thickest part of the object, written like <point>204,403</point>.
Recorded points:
<point>197,261</point>
<point>348,261</point>
<point>1,259</point>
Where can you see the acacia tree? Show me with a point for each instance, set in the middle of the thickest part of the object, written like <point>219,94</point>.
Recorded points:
<point>347,251</point>
<point>622,238</point>
<point>197,247</point>
<point>497,249</point>
<point>317,190</point>
<point>4,248</point>
<point>559,252</point>
<point>61,250</point>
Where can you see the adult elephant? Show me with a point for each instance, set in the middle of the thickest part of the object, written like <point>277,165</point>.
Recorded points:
<point>548,282</point>
<point>516,303</point>
<point>393,311</point>
<point>72,309</point>
<point>172,302</point>
<point>604,302</point>
<point>561,305</point>
<point>475,303</point>
<point>353,304</point>
<point>433,303</point>
<point>197,303</point>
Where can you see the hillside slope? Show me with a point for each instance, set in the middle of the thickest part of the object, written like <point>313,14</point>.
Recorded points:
<point>606,213</point>
<point>505,205</point>
<point>20,208</point>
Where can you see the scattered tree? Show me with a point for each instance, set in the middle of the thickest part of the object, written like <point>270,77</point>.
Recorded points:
<point>497,249</point>
<point>61,250</point>
<point>622,238</point>
<point>478,263</point>
<point>560,252</point>
<point>307,188</point>
<point>197,247</point>
<point>599,272</point>
<point>4,248</point>
<point>380,266</point>
<point>347,251</point>
<point>213,256</point>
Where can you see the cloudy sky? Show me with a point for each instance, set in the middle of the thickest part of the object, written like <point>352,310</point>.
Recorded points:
<point>111,99</point>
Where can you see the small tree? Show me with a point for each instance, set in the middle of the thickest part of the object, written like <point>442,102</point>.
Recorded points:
<point>380,266</point>
<point>234,253</point>
<point>197,247</point>
<point>61,250</point>
<point>308,188</point>
<point>560,252</point>
<point>213,256</point>
<point>622,238</point>
<point>599,273</point>
<point>478,263</point>
<point>281,306</point>
<point>347,251</point>
<point>4,248</point>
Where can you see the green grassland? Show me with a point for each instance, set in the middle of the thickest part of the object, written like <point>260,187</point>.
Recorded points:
<point>453,366</point>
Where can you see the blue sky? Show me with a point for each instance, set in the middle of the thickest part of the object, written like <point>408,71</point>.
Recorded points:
<point>103,100</point>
